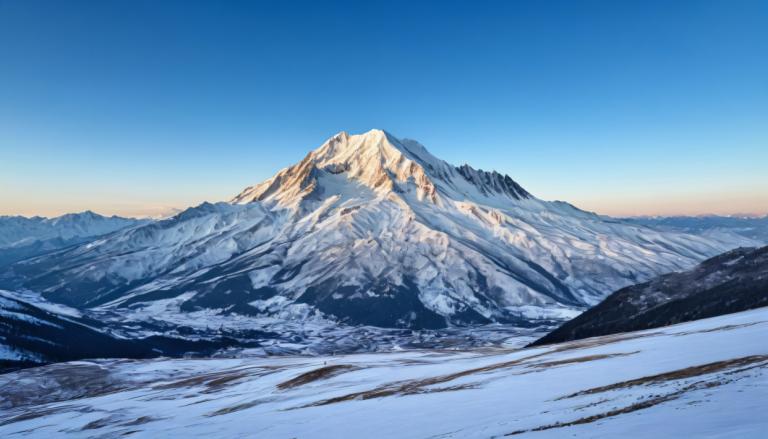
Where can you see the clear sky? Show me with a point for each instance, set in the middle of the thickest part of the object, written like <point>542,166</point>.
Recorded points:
<point>621,107</point>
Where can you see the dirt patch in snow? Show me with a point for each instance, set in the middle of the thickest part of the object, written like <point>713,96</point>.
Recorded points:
<point>749,362</point>
<point>720,328</point>
<point>413,387</point>
<point>322,373</point>
<point>217,381</point>
<point>234,408</point>
<point>581,359</point>
<point>688,372</point>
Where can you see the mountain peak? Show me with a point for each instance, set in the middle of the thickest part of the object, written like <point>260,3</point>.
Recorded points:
<point>370,141</point>
<point>373,142</point>
<point>383,163</point>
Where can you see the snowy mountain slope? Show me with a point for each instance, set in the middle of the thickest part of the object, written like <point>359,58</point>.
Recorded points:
<point>370,229</point>
<point>707,378</point>
<point>22,237</point>
<point>731,282</point>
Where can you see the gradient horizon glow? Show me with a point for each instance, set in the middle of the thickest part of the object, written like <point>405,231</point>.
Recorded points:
<point>619,107</point>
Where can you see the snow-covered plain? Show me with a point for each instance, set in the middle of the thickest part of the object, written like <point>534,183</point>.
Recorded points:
<point>700,379</point>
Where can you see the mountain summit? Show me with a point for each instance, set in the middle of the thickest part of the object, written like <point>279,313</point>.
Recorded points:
<point>380,163</point>
<point>367,229</point>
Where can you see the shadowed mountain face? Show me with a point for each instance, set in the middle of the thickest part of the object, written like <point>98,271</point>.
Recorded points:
<point>32,336</point>
<point>731,282</point>
<point>367,230</point>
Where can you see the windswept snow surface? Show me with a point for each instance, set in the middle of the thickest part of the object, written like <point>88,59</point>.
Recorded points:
<point>699,379</point>
<point>371,230</point>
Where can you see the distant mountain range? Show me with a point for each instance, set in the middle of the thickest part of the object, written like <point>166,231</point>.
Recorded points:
<point>366,230</point>
<point>731,282</point>
<point>755,228</point>
<point>22,237</point>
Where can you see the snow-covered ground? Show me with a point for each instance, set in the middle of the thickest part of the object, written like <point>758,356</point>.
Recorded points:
<point>700,379</point>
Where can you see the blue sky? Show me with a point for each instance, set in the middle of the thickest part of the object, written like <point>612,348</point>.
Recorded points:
<point>622,107</point>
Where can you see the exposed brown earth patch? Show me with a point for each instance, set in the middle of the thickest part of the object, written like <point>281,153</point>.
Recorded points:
<point>601,340</point>
<point>322,373</point>
<point>234,408</point>
<point>581,359</point>
<point>141,420</point>
<point>720,328</point>
<point>218,380</point>
<point>412,387</point>
<point>238,407</point>
<point>688,372</point>
<point>641,405</point>
<point>100,423</point>
<point>586,420</point>
<point>420,386</point>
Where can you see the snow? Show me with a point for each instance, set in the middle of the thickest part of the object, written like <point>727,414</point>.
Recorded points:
<point>13,354</point>
<point>480,393</point>
<point>13,310</point>
<point>35,299</point>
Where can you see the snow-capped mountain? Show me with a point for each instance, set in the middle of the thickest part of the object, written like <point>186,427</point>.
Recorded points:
<point>369,229</point>
<point>22,237</point>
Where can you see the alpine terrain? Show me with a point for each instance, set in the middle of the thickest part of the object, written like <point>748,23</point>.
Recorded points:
<point>731,282</point>
<point>22,237</point>
<point>365,230</point>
